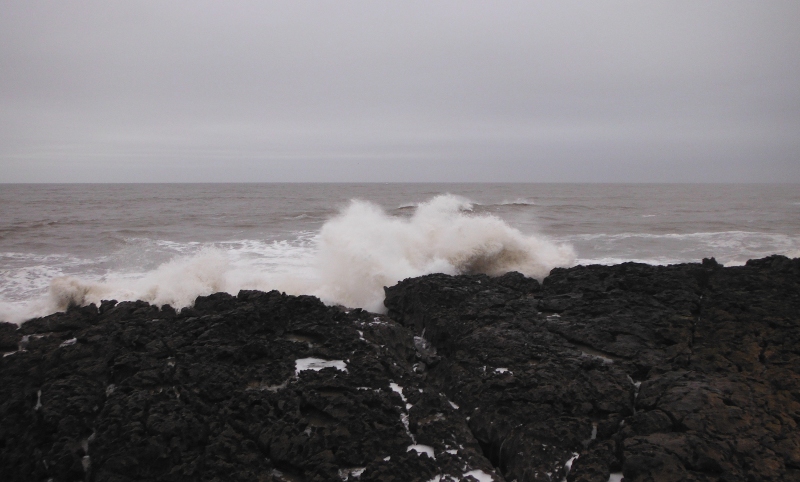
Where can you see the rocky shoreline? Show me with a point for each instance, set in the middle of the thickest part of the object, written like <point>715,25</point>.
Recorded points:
<point>654,373</point>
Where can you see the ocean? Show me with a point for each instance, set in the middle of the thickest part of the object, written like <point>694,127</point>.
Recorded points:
<point>169,243</point>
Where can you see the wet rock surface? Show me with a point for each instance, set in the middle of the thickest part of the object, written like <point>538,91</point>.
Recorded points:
<point>685,372</point>
<point>261,386</point>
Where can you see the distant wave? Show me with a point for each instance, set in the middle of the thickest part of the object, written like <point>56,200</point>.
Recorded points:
<point>722,236</point>
<point>728,247</point>
<point>517,202</point>
<point>514,203</point>
<point>470,205</point>
<point>348,262</point>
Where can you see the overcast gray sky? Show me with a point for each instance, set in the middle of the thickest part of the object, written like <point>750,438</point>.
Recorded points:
<point>607,91</point>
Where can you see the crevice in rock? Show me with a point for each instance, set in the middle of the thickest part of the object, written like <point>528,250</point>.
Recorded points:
<point>762,354</point>
<point>490,451</point>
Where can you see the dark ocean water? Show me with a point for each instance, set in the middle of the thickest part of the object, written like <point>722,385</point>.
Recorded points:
<point>170,243</point>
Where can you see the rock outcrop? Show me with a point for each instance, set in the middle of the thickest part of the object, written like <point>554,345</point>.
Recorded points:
<point>684,372</point>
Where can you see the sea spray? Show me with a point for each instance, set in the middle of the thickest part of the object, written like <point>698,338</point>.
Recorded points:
<point>364,249</point>
<point>355,254</point>
<point>177,282</point>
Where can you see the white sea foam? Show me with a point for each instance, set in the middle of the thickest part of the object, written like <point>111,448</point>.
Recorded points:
<point>348,262</point>
<point>730,248</point>
<point>29,272</point>
<point>568,464</point>
<point>317,364</point>
<point>177,282</point>
<point>421,449</point>
<point>364,249</point>
<point>479,475</point>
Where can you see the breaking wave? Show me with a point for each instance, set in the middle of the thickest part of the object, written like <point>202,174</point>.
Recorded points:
<point>350,260</point>
<point>363,249</point>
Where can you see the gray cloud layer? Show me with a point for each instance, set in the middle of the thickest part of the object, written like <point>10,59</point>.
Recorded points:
<point>399,91</point>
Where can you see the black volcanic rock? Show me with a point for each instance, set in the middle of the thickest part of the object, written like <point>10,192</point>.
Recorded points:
<point>685,372</point>
<point>212,393</point>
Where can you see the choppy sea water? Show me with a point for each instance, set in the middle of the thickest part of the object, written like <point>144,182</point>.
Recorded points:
<point>169,243</point>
